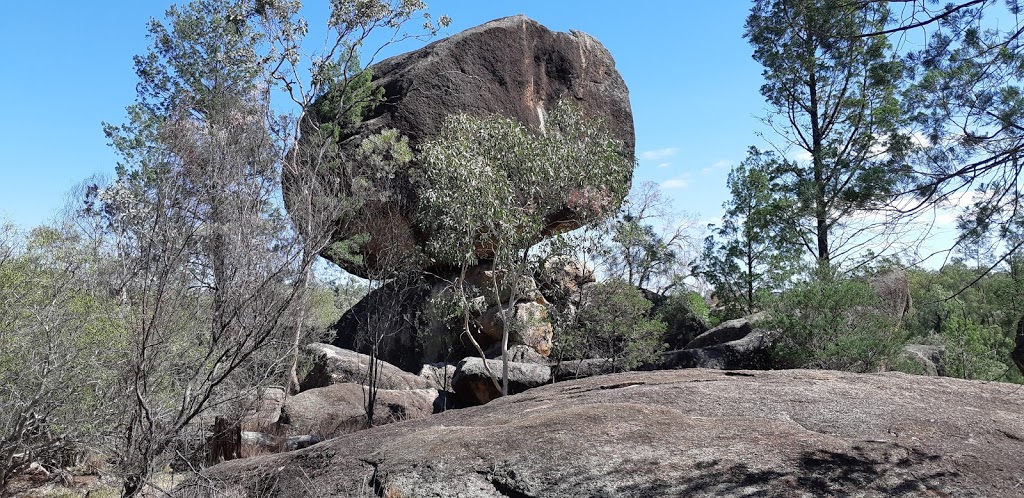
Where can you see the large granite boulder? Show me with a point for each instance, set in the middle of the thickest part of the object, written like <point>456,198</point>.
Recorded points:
<point>513,67</point>
<point>334,365</point>
<point>331,411</point>
<point>473,385</point>
<point>697,433</point>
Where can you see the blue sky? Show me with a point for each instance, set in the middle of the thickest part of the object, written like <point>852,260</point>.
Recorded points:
<point>67,67</point>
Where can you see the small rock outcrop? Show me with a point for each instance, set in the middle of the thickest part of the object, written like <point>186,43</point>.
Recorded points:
<point>578,369</point>
<point>1017,355</point>
<point>728,331</point>
<point>931,359</point>
<point>439,375</point>
<point>334,365</point>
<point>331,411</point>
<point>473,386</point>
<point>893,289</point>
<point>696,432</point>
<point>733,345</point>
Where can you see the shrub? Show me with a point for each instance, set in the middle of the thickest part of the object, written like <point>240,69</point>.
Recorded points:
<point>834,323</point>
<point>973,351</point>
<point>612,322</point>
<point>685,315</point>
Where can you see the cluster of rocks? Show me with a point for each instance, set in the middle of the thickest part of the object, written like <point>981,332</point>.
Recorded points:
<point>333,394</point>
<point>512,67</point>
<point>332,401</point>
<point>411,323</point>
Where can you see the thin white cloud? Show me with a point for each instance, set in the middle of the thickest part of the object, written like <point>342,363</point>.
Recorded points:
<point>675,183</point>
<point>656,154</point>
<point>723,164</point>
<point>664,165</point>
<point>801,155</point>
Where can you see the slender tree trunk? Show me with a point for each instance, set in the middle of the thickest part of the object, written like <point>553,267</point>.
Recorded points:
<point>292,382</point>
<point>750,275</point>
<point>468,333</point>
<point>817,153</point>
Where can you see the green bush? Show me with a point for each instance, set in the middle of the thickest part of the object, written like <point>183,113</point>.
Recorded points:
<point>973,351</point>
<point>834,323</point>
<point>612,322</point>
<point>685,315</point>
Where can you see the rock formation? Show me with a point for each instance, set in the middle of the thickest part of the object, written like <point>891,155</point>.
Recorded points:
<point>333,365</point>
<point>735,344</point>
<point>930,358</point>
<point>675,433</point>
<point>473,386</point>
<point>893,288</point>
<point>513,67</point>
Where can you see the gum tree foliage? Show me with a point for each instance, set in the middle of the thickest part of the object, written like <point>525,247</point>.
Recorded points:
<point>487,185</point>
<point>61,340</point>
<point>831,90</point>
<point>750,255</point>
<point>645,243</point>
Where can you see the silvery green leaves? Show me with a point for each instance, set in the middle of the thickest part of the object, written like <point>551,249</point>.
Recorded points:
<point>493,181</point>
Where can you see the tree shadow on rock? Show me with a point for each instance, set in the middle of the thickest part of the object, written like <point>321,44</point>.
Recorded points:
<point>888,469</point>
<point>882,470</point>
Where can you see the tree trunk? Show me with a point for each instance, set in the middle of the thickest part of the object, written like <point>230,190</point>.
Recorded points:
<point>817,152</point>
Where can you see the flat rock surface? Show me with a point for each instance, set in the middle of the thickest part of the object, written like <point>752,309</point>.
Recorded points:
<point>677,433</point>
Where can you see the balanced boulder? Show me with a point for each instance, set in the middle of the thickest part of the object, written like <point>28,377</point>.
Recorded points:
<point>512,67</point>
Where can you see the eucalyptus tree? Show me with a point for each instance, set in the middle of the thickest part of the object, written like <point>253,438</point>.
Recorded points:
<point>832,91</point>
<point>488,185</point>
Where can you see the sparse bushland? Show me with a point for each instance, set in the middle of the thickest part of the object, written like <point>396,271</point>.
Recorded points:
<point>62,337</point>
<point>179,289</point>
